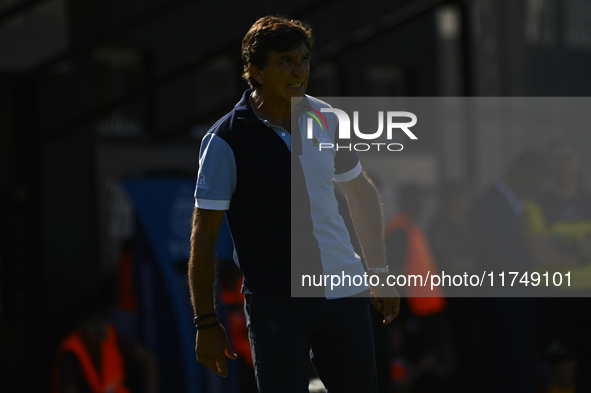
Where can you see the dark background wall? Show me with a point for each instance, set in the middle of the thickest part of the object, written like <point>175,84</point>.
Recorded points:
<point>81,75</point>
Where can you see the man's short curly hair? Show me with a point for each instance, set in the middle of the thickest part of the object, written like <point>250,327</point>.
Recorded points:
<point>272,33</point>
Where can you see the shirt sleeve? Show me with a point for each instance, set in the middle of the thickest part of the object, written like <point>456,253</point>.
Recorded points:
<point>346,163</point>
<point>216,180</point>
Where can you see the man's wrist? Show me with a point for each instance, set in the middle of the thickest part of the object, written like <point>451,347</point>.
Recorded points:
<point>208,325</point>
<point>202,317</point>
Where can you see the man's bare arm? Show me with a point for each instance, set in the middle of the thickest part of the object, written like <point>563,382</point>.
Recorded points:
<point>366,212</point>
<point>211,345</point>
<point>206,226</point>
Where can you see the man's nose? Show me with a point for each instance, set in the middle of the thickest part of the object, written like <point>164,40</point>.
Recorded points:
<point>300,68</point>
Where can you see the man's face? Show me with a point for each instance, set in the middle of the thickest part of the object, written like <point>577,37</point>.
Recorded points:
<point>564,163</point>
<point>286,75</point>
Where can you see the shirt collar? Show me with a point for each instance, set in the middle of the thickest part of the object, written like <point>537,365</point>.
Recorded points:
<point>510,196</point>
<point>304,102</point>
<point>244,111</point>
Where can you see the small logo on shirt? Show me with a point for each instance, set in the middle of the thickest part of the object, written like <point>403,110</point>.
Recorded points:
<point>320,139</point>
<point>316,117</point>
<point>201,182</point>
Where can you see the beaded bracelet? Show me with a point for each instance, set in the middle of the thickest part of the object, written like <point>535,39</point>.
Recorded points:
<point>204,316</point>
<point>209,325</point>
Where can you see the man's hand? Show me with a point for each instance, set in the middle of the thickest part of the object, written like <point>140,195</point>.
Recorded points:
<point>211,344</point>
<point>212,347</point>
<point>385,299</point>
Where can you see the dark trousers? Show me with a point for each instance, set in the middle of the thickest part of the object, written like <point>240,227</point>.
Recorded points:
<point>335,334</point>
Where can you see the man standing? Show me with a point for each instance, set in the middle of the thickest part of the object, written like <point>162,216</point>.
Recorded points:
<point>276,191</point>
<point>559,233</point>
<point>430,339</point>
<point>507,325</point>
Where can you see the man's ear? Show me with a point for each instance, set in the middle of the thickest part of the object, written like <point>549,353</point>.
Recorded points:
<point>257,73</point>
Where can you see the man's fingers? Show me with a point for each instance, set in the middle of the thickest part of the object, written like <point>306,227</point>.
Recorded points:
<point>223,367</point>
<point>218,365</point>
<point>395,311</point>
<point>395,308</point>
<point>388,317</point>
<point>212,351</point>
<point>213,365</point>
<point>379,305</point>
<point>230,353</point>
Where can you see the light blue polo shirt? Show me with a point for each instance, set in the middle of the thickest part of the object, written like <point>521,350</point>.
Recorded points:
<point>243,168</point>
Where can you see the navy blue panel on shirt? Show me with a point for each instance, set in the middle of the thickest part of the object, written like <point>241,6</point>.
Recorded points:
<point>259,212</point>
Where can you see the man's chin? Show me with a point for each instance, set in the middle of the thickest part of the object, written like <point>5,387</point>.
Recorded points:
<point>298,96</point>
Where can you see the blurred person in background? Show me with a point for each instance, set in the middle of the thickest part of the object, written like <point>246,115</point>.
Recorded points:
<point>124,310</point>
<point>450,232</point>
<point>140,362</point>
<point>559,232</point>
<point>450,236</point>
<point>92,357</point>
<point>429,345</point>
<point>506,347</point>
<point>246,173</point>
<point>230,278</point>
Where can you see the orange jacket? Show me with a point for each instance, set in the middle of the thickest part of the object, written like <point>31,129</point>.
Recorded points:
<point>419,260</point>
<point>112,374</point>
